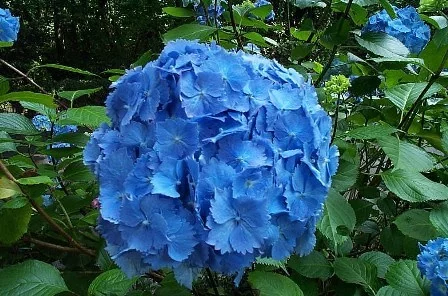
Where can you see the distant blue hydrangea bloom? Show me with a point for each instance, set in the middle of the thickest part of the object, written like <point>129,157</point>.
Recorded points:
<point>407,27</point>
<point>213,159</point>
<point>9,26</point>
<point>43,123</point>
<point>433,264</point>
<point>270,17</point>
<point>213,14</point>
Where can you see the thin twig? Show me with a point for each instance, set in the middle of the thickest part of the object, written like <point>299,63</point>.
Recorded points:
<point>334,49</point>
<point>47,217</point>
<point>50,245</point>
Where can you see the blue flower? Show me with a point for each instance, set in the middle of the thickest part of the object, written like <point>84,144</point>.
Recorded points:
<point>433,264</point>
<point>213,158</point>
<point>237,224</point>
<point>9,26</point>
<point>407,27</point>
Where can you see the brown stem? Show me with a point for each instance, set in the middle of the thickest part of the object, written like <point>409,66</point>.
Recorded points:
<point>50,245</point>
<point>47,217</point>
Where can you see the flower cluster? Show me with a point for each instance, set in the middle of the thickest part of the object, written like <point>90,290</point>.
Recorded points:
<point>9,26</point>
<point>213,159</point>
<point>407,27</point>
<point>43,123</point>
<point>270,17</point>
<point>433,264</point>
<point>337,85</point>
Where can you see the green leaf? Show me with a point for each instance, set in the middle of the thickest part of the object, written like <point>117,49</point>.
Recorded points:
<point>65,68</point>
<point>336,34</point>
<point>35,180</point>
<point>74,94</point>
<point>405,277</point>
<point>77,172</point>
<point>189,32</point>
<point>178,11</point>
<point>439,219</point>
<point>432,53</point>
<point>6,44</point>
<point>356,271</point>
<point>92,116</point>
<point>371,132</point>
<point>404,95</point>
<point>383,45</point>
<point>169,286</point>
<point>262,11</point>
<point>111,282</point>
<point>413,186</point>
<point>381,260</point>
<point>4,85</point>
<point>347,173</point>
<point>273,284</point>
<point>337,213</point>
<point>8,188</point>
<point>301,51</point>
<point>255,38</point>
<point>389,291</point>
<point>388,7</point>
<point>143,59</point>
<point>78,139</point>
<point>415,223</point>
<point>41,109</point>
<point>405,155</point>
<point>8,145</point>
<point>31,277</point>
<point>17,124</point>
<point>271,262</point>
<point>13,223</point>
<point>28,96</point>
<point>315,265</point>
<point>308,3</point>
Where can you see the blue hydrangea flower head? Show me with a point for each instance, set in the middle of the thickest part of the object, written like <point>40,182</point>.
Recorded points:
<point>43,123</point>
<point>9,26</point>
<point>433,264</point>
<point>406,27</point>
<point>213,158</point>
<point>213,14</point>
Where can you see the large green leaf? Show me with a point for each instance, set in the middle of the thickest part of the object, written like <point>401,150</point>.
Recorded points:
<point>405,155</point>
<point>28,96</point>
<point>178,11</point>
<point>189,32</point>
<point>404,95</point>
<point>347,171</point>
<point>413,186</point>
<point>337,214</point>
<point>111,282</point>
<point>381,260</point>
<point>8,188</point>
<point>39,108</point>
<point>336,34</point>
<point>383,45</point>
<point>415,223</point>
<point>74,94</point>
<point>16,124</point>
<point>35,180</point>
<point>433,51</point>
<point>92,116</point>
<point>389,291</point>
<point>315,265</point>
<point>356,271</point>
<point>14,221</point>
<point>273,284</point>
<point>169,286</point>
<point>371,132</point>
<point>31,277</point>
<point>439,219</point>
<point>77,171</point>
<point>405,277</point>
<point>6,143</point>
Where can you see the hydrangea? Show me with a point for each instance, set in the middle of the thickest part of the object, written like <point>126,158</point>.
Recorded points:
<point>213,158</point>
<point>43,123</point>
<point>433,264</point>
<point>407,27</point>
<point>337,85</point>
<point>213,14</point>
<point>9,26</point>
<point>271,15</point>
